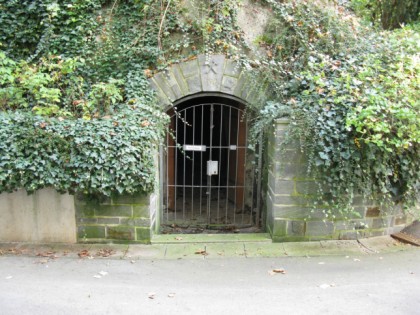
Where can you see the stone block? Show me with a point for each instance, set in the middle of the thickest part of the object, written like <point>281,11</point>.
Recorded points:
<point>291,200</point>
<point>173,83</point>
<point>211,69</point>
<point>141,211</point>
<point>232,68</point>
<point>319,228</point>
<point>381,223</point>
<point>190,68</point>
<point>279,228</point>
<point>135,222</point>
<point>108,220</point>
<point>194,84</point>
<point>296,228</point>
<point>241,86</point>
<point>84,220</point>
<point>290,212</point>
<point>143,235</point>
<point>163,99</point>
<point>121,233</point>
<point>347,235</point>
<point>176,69</point>
<point>400,220</point>
<point>372,212</point>
<point>281,186</point>
<point>139,199</point>
<point>343,225</point>
<point>228,85</point>
<point>164,85</point>
<point>306,187</point>
<point>114,211</point>
<point>285,170</point>
<point>88,210</point>
<point>90,231</point>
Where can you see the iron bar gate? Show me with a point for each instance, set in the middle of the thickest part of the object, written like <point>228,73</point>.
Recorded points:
<point>209,174</point>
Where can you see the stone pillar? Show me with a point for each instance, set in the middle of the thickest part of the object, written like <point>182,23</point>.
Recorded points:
<point>119,219</point>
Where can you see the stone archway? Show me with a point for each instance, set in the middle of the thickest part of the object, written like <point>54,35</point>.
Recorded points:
<point>205,74</point>
<point>219,84</point>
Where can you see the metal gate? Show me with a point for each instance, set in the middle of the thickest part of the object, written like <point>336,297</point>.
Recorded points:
<point>209,176</point>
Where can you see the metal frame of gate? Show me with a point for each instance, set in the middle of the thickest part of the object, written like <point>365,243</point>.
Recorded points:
<point>208,174</point>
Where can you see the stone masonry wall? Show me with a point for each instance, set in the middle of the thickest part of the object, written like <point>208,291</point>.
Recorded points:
<point>291,215</point>
<point>120,219</point>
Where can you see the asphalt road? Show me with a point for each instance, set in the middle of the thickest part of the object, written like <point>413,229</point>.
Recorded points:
<point>372,284</point>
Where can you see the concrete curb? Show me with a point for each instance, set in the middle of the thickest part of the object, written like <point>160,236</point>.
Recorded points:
<point>207,250</point>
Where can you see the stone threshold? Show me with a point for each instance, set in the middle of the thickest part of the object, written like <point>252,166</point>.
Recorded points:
<point>211,238</point>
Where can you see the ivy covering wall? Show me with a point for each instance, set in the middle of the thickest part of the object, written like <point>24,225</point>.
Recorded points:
<point>78,113</point>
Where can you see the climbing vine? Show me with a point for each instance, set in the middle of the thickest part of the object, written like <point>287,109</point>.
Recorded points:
<point>348,90</point>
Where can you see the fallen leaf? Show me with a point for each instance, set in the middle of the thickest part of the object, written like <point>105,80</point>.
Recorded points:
<point>201,252</point>
<point>14,251</point>
<point>152,295</point>
<point>178,238</point>
<point>83,253</point>
<point>47,254</point>
<point>171,295</point>
<point>276,271</point>
<point>105,252</point>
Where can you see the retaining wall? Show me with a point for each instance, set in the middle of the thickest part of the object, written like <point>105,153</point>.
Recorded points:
<point>43,217</point>
<point>290,211</point>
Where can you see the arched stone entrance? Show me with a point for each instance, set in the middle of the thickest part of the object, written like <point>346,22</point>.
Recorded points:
<point>205,74</point>
<point>207,174</point>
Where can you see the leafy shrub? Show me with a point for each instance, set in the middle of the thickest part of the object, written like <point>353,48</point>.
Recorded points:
<point>113,154</point>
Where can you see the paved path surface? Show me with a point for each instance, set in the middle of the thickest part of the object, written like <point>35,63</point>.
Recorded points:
<point>375,276</point>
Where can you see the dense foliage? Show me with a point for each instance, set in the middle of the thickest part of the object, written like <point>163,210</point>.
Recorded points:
<point>112,154</point>
<point>352,95</point>
<point>388,14</point>
<point>350,90</point>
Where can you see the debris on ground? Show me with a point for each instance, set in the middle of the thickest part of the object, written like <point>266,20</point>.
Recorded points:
<point>410,234</point>
<point>47,254</point>
<point>105,252</point>
<point>276,271</point>
<point>84,253</point>
<point>201,252</point>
